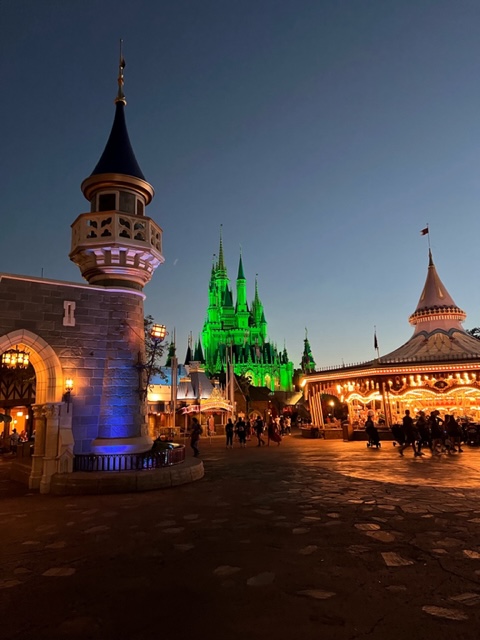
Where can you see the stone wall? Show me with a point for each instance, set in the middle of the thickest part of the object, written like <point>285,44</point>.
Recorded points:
<point>97,334</point>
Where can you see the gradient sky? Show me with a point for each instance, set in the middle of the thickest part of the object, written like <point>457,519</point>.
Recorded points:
<point>323,135</point>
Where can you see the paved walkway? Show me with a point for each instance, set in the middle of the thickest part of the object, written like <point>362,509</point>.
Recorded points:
<point>312,539</point>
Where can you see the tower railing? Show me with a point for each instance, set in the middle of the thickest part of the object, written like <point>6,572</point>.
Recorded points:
<point>116,226</point>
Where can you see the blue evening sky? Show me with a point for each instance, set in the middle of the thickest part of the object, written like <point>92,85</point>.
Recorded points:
<point>322,134</point>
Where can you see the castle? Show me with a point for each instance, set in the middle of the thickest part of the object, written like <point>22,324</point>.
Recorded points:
<point>237,333</point>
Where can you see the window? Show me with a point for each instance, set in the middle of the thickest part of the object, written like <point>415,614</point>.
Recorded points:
<point>107,201</point>
<point>127,202</point>
<point>69,313</point>
<point>140,208</point>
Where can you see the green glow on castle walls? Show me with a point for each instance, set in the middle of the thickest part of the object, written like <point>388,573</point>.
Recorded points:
<point>244,329</point>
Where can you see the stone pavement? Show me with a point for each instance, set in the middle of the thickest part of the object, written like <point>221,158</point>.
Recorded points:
<point>312,539</point>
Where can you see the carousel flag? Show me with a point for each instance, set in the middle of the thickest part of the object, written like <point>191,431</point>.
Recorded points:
<point>424,231</point>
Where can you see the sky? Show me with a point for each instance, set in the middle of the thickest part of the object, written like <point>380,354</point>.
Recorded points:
<point>323,135</point>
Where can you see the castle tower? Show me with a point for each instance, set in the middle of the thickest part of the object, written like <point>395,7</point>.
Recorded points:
<point>240,331</point>
<point>307,364</point>
<point>118,248</point>
<point>116,245</point>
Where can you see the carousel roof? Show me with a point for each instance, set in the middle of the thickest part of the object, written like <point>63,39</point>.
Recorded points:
<point>438,335</point>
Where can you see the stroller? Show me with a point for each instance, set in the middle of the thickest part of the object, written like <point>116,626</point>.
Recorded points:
<point>373,437</point>
<point>398,435</point>
<point>471,435</point>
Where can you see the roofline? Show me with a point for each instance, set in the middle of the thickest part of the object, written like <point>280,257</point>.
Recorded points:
<point>378,370</point>
<point>75,285</point>
<point>114,181</point>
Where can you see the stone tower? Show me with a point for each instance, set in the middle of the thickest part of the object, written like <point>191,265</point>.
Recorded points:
<point>117,247</point>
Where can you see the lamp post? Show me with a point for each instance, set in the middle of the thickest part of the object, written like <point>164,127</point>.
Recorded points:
<point>158,333</point>
<point>332,404</point>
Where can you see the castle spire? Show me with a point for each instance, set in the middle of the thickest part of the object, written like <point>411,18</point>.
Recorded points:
<point>121,66</point>
<point>221,261</point>
<point>308,363</point>
<point>241,275</point>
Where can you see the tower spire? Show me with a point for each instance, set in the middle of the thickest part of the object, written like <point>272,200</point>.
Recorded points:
<point>221,261</point>
<point>121,66</point>
<point>256,299</point>
<point>241,274</point>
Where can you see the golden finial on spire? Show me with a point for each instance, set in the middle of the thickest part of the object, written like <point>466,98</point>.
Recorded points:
<point>121,66</point>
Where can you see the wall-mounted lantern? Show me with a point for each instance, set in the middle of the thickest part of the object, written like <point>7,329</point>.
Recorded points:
<point>67,396</point>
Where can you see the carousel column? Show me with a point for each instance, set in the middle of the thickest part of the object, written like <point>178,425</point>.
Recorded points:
<point>39,446</point>
<point>52,419</point>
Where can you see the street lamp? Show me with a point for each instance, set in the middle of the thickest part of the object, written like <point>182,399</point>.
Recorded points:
<point>332,404</point>
<point>158,333</point>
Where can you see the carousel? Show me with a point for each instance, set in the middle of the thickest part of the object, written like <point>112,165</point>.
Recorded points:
<point>437,369</point>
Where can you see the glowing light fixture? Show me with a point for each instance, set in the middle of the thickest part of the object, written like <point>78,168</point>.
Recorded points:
<point>67,396</point>
<point>15,359</point>
<point>158,332</point>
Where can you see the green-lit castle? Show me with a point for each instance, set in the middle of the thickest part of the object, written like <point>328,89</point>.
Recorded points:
<point>242,328</point>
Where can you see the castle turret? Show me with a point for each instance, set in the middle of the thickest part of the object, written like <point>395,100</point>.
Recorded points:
<point>242,305</point>
<point>116,245</point>
<point>308,363</point>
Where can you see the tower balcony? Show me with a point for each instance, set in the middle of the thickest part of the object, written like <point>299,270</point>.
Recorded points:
<point>113,248</point>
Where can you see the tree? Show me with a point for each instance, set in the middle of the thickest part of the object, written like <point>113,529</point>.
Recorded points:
<point>154,349</point>
<point>475,332</point>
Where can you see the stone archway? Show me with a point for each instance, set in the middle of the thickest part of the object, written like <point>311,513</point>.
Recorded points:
<point>53,450</point>
<point>48,370</point>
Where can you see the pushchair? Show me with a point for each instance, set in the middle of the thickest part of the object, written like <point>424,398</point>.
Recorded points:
<point>373,437</point>
<point>471,435</point>
<point>398,435</point>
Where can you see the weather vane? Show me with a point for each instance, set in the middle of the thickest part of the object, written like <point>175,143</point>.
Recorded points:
<point>121,66</point>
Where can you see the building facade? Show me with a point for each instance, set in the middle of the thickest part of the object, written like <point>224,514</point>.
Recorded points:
<point>236,333</point>
<point>85,342</point>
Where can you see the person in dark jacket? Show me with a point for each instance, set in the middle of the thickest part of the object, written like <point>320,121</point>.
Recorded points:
<point>195,437</point>
<point>411,435</point>
<point>229,433</point>
<point>259,431</point>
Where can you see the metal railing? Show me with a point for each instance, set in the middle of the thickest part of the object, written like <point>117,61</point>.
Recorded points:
<point>129,461</point>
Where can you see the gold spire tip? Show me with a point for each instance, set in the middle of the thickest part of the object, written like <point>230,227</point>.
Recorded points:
<point>121,66</point>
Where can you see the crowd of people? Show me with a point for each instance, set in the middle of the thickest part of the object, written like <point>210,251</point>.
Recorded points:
<point>432,432</point>
<point>245,430</point>
<point>9,442</point>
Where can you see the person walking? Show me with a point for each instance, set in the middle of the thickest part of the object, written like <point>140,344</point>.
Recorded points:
<point>436,429</point>
<point>259,431</point>
<point>241,432</point>
<point>14,440</point>
<point>411,435</point>
<point>454,434</point>
<point>229,433</point>
<point>424,436</point>
<point>273,433</point>
<point>195,437</point>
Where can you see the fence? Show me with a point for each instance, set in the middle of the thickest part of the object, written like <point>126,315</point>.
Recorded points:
<point>129,461</point>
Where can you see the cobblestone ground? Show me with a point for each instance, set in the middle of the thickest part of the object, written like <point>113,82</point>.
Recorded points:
<point>312,539</point>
